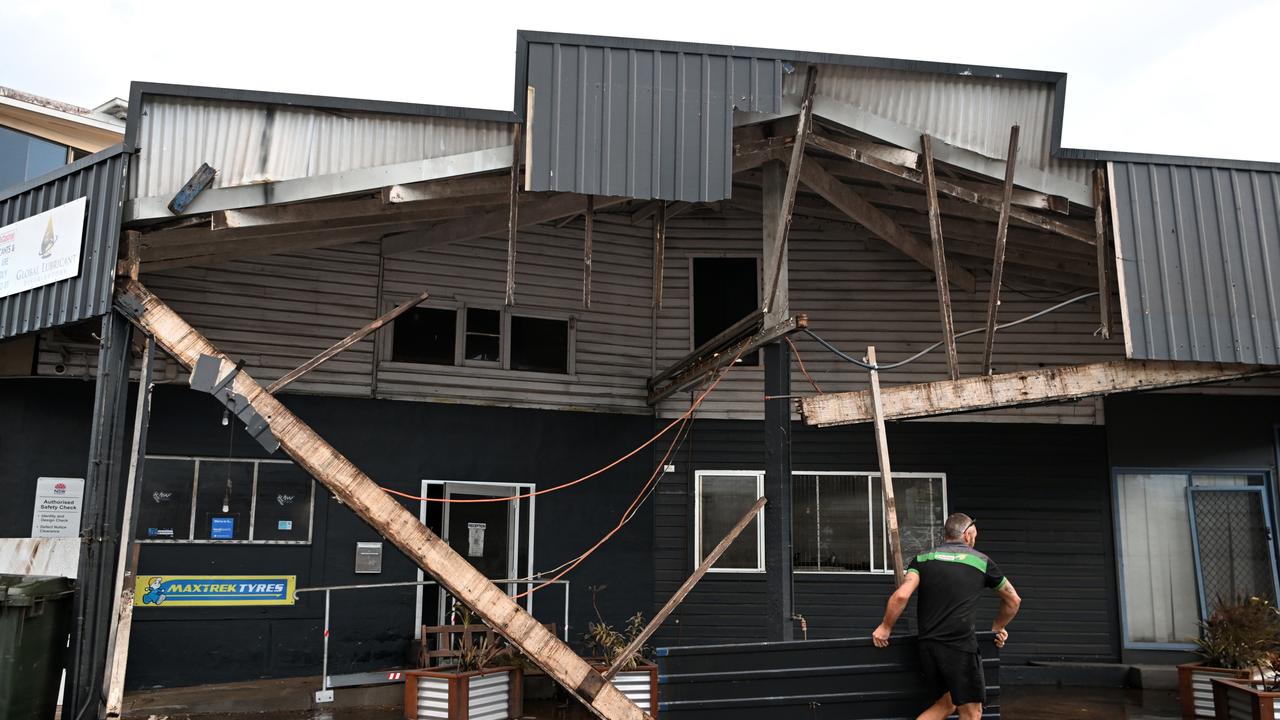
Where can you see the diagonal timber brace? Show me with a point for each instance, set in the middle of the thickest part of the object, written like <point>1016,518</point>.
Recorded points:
<point>382,512</point>
<point>1018,389</point>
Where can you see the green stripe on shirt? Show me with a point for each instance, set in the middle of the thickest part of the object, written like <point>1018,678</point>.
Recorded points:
<point>962,558</point>
<point>1003,582</point>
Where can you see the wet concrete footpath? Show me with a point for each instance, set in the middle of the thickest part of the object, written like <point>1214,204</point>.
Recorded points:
<point>1019,703</point>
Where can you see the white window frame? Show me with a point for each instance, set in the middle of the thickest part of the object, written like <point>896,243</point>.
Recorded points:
<point>253,503</point>
<point>460,307</point>
<point>886,567</point>
<point>697,520</point>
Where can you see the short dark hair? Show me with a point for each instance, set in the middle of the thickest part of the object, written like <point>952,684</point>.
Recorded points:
<point>955,525</point>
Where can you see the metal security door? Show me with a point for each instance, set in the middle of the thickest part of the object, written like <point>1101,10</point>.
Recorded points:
<point>1232,538</point>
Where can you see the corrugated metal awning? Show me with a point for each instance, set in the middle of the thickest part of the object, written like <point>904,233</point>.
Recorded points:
<point>1198,250</point>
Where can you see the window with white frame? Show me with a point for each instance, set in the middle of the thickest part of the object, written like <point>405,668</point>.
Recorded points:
<point>838,520</point>
<point>721,498</point>
<point>481,336</point>
<point>194,499</point>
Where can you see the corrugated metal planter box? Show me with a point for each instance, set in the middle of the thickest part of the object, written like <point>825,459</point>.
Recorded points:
<point>640,685</point>
<point>1195,689</point>
<point>1244,700</point>
<point>489,694</point>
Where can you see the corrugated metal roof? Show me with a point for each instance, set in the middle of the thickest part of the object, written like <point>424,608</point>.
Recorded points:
<point>640,123</point>
<point>250,143</point>
<point>100,178</point>
<point>1199,256</point>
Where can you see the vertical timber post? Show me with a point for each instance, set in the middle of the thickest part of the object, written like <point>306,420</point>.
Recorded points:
<point>777,488</point>
<point>886,472</point>
<point>99,527</point>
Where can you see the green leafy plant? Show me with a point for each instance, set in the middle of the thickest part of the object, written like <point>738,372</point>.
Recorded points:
<point>1241,634</point>
<point>608,643</point>
<point>478,655</point>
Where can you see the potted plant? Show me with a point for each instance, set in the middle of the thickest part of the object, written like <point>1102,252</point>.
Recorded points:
<point>1253,699</point>
<point>638,677</point>
<point>480,682</point>
<point>1234,643</point>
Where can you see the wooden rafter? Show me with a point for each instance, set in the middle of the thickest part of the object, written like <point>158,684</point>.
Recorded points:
<point>997,263</point>
<point>981,198</point>
<point>513,210</point>
<point>940,261</point>
<point>788,201</point>
<point>687,374</point>
<point>1104,259</point>
<point>1016,389</point>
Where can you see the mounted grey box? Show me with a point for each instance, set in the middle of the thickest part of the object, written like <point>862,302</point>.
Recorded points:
<point>369,557</point>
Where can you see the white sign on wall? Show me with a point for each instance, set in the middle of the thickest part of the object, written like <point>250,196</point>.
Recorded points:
<point>42,249</point>
<point>58,504</point>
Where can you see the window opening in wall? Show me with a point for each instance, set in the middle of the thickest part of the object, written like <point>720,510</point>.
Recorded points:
<point>483,336</point>
<point>838,520</point>
<point>211,500</point>
<point>539,344</point>
<point>725,290</point>
<point>425,335</point>
<point>721,497</point>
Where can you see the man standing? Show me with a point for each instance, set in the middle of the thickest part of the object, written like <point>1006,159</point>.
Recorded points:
<point>950,578</point>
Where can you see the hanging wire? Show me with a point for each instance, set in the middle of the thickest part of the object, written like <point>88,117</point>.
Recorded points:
<point>935,346</point>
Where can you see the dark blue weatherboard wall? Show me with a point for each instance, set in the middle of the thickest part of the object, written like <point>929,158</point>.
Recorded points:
<point>1199,262</point>
<point>1040,493</point>
<point>44,427</point>
<point>100,178</point>
<point>639,122</point>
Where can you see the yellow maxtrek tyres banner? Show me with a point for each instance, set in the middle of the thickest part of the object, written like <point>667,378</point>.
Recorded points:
<point>209,590</point>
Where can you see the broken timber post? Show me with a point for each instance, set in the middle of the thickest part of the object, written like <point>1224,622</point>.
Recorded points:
<point>356,490</point>
<point>940,259</point>
<point>886,473</point>
<point>788,200</point>
<point>513,222</point>
<point>684,590</point>
<point>997,264</point>
<point>1100,231</point>
<point>590,218</point>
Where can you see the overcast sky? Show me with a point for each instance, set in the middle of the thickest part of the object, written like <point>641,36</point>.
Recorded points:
<point>1184,77</point>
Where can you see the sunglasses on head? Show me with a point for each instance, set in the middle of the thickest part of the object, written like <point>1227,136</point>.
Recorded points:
<point>966,527</point>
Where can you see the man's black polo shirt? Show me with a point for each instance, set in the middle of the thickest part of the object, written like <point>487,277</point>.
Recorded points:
<point>952,576</point>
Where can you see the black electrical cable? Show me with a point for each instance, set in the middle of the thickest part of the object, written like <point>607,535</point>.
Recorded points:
<point>935,346</point>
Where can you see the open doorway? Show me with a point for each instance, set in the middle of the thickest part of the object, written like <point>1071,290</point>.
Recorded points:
<point>496,537</point>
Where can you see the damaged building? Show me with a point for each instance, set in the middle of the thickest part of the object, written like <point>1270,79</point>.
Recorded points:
<point>695,259</point>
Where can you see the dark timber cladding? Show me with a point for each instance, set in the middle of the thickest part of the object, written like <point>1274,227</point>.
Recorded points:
<point>100,178</point>
<point>640,122</point>
<point>1199,252</point>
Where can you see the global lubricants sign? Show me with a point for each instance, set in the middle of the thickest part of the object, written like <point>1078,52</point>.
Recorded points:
<point>42,249</point>
<point>213,590</point>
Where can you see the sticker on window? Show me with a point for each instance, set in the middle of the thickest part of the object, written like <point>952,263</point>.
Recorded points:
<point>475,539</point>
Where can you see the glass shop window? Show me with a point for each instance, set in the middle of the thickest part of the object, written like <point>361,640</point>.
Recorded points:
<point>722,498</point>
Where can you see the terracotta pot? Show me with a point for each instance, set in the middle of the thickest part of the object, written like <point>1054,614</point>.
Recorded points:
<point>489,694</point>
<point>1196,691</point>
<point>1244,700</point>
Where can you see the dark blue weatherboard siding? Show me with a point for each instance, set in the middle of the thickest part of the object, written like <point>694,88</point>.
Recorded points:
<point>44,430</point>
<point>1040,493</point>
<point>837,679</point>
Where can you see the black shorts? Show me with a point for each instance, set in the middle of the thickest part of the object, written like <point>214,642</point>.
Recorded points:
<point>951,670</point>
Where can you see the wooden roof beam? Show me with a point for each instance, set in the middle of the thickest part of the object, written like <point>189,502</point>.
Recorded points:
<point>986,198</point>
<point>1018,389</point>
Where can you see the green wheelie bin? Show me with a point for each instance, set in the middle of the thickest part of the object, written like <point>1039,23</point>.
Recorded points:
<point>35,616</point>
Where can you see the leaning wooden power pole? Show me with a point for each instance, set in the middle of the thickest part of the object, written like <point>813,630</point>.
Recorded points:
<point>381,511</point>
<point>886,474</point>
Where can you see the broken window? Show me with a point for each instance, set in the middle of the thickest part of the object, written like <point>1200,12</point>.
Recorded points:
<point>539,344</point>
<point>838,521</point>
<point>722,497</point>
<point>425,335</point>
<point>214,500</point>
<point>484,335</point>
<point>725,290</point>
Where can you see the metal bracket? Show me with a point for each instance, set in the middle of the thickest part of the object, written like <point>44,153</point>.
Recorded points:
<point>205,379</point>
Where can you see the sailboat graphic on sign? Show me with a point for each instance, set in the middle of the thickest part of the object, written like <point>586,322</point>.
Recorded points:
<point>47,243</point>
